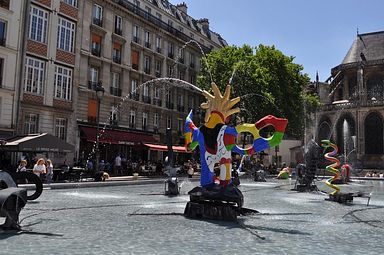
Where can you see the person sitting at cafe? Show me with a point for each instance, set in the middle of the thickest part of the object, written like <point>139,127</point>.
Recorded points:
<point>39,168</point>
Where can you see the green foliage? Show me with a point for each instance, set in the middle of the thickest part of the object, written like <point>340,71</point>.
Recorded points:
<point>267,81</point>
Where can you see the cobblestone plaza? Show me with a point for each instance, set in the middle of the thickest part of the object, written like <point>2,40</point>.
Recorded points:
<point>139,219</point>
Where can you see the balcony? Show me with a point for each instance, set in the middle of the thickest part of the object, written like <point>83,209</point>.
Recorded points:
<point>118,31</point>
<point>169,105</point>
<point>135,66</point>
<point>134,96</point>
<point>156,101</point>
<point>97,22</point>
<point>170,55</point>
<point>180,108</point>
<point>192,65</point>
<point>136,39</point>
<point>146,99</point>
<point>93,84</point>
<point>115,91</point>
<point>158,74</point>
<point>116,59</point>
<point>96,52</point>
<point>2,41</point>
<point>147,70</point>
<point>147,45</point>
<point>158,49</point>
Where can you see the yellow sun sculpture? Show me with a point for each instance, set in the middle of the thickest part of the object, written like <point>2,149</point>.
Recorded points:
<point>217,140</point>
<point>217,103</point>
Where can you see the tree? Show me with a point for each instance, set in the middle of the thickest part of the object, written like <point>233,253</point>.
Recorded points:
<point>267,81</point>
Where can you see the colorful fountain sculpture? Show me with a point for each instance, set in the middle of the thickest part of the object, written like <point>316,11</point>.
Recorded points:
<point>336,195</point>
<point>218,198</point>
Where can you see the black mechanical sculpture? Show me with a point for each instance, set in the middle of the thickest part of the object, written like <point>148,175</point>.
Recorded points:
<point>306,172</point>
<point>171,185</point>
<point>12,200</point>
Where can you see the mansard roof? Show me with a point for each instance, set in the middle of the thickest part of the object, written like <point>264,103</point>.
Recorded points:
<point>366,47</point>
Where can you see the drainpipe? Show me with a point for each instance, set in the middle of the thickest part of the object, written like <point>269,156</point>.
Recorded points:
<point>23,55</point>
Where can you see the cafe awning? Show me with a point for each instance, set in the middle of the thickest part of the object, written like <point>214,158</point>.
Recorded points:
<point>159,147</point>
<point>115,136</point>
<point>37,143</point>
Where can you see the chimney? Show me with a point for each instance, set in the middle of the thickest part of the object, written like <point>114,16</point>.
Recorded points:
<point>204,23</point>
<point>182,7</point>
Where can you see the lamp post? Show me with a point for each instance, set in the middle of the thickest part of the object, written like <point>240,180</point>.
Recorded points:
<point>99,94</point>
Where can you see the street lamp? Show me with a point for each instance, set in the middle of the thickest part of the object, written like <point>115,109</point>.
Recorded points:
<point>99,93</point>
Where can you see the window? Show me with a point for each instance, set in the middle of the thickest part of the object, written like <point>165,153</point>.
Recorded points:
<point>133,86</point>
<point>1,71</point>
<point>38,23</point>
<point>158,16</point>
<point>147,12</point>
<point>170,49</point>
<point>97,14</point>
<point>34,76</point>
<point>94,74</point>
<point>181,74</point>
<point>145,120</point>
<point>30,124</point>
<point>63,83</point>
<point>191,102</point>
<point>170,70</point>
<point>114,115</point>
<point>136,3</point>
<point>3,33</point>
<point>157,93</point>
<point>115,84</point>
<point>158,44</point>
<point>169,122</point>
<point>147,65</point>
<point>170,23</point>
<point>132,117</point>
<point>116,53</point>
<point>180,125</point>
<point>118,25</point>
<point>156,119</point>
<point>191,60</point>
<point>115,80</point>
<point>135,59</point>
<point>169,96</point>
<point>4,4</point>
<point>180,99</point>
<point>147,39</point>
<point>158,68</point>
<point>181,55</point>
<point>192,78</point>
<point>136,34</point>
<point>96,45</point>
<point>61,128</point>
<point>191,35</point>
<point>146,90</point>
<point>71,2</point>
<point>65,35</point>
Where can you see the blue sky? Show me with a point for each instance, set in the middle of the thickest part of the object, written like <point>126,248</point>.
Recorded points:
<point>317,33</point>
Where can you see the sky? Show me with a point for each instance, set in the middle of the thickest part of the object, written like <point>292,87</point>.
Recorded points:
<point>317,33</point>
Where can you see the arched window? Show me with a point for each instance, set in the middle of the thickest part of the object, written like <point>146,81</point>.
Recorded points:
<point>324,131</point>
<point>352,87</point>
<point>373,131</point>
<point>375,87</point>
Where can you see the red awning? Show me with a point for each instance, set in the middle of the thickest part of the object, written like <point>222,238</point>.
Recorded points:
<point>116,136</point>
<point>159,147</point>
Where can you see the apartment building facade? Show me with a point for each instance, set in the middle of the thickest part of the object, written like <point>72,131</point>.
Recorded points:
<point>125,46</point>
<point>46,102</point>
<point>11,19</point>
